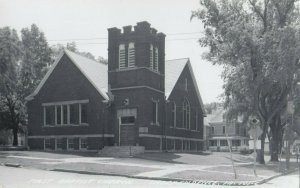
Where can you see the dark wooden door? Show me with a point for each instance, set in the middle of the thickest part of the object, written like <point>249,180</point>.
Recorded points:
<point>127,135</point>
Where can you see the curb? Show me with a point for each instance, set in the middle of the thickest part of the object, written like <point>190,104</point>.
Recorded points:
<point>276,176</point>
<point>204,182</point>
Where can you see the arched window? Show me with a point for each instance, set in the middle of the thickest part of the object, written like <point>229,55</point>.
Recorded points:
<point>122,58</point>
<point>156,59</point>
<point>131,55</point>
<point>173,123</point>
<point>151,56</point>
<point>186,114</point>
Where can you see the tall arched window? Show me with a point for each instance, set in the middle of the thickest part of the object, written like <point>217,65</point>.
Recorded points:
<point>173,123</point>
<point>131,55</point>
<point>151,56</point>
<point>156,59</point>
<point>186,114</point>
<point>122,58</point>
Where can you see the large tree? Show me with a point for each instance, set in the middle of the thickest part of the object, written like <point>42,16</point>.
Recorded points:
<point>11,108</point>
<point>258,43</point>
<point>23,64</point>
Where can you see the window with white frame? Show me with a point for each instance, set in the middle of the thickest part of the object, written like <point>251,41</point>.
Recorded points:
<point>59,143</point>
<point>131,55</point>
<point>155,112</point>
<point>173,124</point>
<point>151,56</point>
<point>47,143</point>
<point>49,114</point>
<point>65,113</point>
<point>122,56</point>
<point>70,143</point>
<point>186,114</point>
<point>83,113</point>
<point>83,143</point>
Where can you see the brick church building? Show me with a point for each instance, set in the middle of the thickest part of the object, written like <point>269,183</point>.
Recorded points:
<point>137,99</point>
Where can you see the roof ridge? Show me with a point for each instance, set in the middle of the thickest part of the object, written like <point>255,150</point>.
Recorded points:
<point>76,53</point>
<point>178,58</point>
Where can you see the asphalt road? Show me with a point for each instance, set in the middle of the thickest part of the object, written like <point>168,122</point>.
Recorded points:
<point>11,177</point>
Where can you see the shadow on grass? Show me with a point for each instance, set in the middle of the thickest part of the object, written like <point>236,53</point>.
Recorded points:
<point>168,157</point>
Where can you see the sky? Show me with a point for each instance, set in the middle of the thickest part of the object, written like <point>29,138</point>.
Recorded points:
<point>86,21</point>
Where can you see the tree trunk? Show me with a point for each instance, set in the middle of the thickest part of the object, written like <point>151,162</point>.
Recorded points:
<point>276,138</point>
<point>261,153</point>
<point>275,141</point>
<point>15,139</point>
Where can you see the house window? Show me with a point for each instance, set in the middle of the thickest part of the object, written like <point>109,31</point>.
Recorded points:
<point>186,114</point>
<point>223,143</point>
<point>59,143</point>
<point>70,143</point>
<point>151,56</point>
<point>83,113</point>
<point>58,111</point>
<point>237,129</point>
<point>122,56</point>
<point>48,143</point>
<point>186,85</point>
<point>155,112</point>
<point>173,124</point>
<point>49,115</point>
<point>83,143</point>
<point>131,55</point>
<point>65,113</point>
<point>213,143</point>
<point>74,114</point>
<point>155,67</point>
<point>127,120</point>
<point>236,142</point>
<point>224,129</point>
<point>212,130</point>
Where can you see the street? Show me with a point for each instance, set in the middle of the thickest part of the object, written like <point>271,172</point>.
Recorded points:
<point>34,178</point>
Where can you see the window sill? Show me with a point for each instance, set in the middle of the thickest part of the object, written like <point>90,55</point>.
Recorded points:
<point>156,124</point>
<point>67,125</point>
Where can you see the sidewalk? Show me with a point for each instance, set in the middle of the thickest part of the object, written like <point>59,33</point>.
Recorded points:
<point>179,167</point>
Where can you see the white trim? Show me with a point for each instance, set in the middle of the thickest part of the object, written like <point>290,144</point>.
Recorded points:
<point>169,137</point>
<point>136,87</point>
<point>73,136</point>
<point>196,87</point>
<point>65,102</point>
<point>135,68</point>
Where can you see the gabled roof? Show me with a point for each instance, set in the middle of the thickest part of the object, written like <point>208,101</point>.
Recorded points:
<point>94,71</point>
<point>173,70</point>
<point>97,74</point>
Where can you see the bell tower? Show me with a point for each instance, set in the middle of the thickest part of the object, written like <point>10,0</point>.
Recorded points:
<point>136,69</point>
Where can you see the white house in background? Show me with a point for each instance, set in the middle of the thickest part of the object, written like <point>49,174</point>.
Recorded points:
<point>219,132</point>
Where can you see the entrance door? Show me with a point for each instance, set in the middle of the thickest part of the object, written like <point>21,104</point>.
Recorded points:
<point>127,131</point>
<point>127,127</point>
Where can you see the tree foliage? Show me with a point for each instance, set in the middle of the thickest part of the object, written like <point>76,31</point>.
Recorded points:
<point>56,49</point>
<point>23,64</point>
<point>257,42</point>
